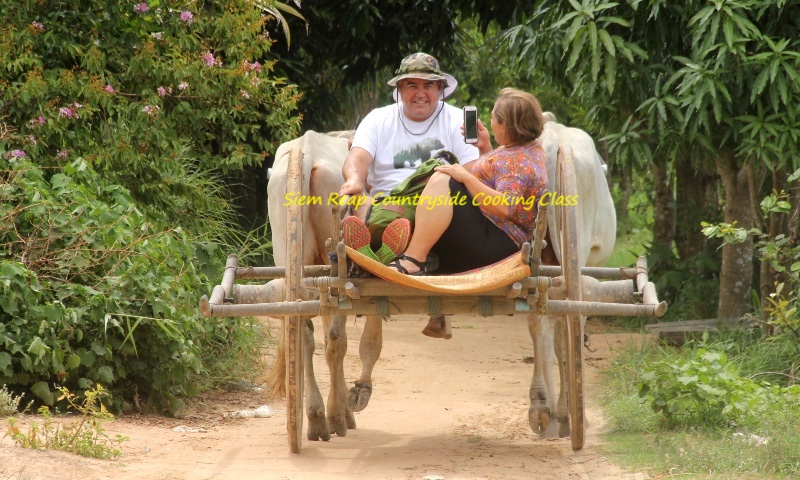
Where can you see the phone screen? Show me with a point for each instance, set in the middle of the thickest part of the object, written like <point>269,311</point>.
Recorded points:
<point>471,125</point>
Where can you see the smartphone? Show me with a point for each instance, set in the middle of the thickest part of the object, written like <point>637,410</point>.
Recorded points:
<point>470,124</point>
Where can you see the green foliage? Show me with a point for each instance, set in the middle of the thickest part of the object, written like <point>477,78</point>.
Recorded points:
<point>132,86</point>
<point>722,73</point>
<point>783,255</point>
<point>639,438</point>
<point>235,354</point>
<point>84,437</point>
<point>92,291</point>
<point>119,124</point>
<point>707,390</point>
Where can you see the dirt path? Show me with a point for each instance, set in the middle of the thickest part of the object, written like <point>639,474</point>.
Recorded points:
<point>450,408</point>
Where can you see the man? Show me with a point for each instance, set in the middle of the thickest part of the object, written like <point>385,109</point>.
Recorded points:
<point>392,141</point>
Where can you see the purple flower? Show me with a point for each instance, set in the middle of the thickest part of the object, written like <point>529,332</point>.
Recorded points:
<point>37,26</point>
<point>15,154</point>
<point>109,89</point>
<point>63,153</point>
<point>140,8</point>
<point>187,17</point>
<point>41,120</point>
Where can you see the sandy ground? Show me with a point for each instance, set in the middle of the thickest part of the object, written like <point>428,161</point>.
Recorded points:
<point>452,409</point>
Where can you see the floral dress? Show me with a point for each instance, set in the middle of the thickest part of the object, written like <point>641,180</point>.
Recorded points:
<point>520,174</point>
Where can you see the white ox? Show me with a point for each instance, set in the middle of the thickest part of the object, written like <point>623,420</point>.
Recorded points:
<point>323,159</point>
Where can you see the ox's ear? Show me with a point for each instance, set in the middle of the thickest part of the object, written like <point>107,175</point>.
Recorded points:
<point>549,117</point>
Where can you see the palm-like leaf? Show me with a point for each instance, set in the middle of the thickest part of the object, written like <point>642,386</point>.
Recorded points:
<point>275,8</point>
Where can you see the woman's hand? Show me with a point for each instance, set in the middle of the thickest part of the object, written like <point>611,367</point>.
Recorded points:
<point>484,141</point>
<point>459,173</point>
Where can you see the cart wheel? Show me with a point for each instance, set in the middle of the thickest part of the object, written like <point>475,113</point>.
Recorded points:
<point>293,333</point>
<point>568,218</point>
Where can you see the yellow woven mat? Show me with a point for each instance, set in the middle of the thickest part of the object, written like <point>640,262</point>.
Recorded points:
<point>504,272</point>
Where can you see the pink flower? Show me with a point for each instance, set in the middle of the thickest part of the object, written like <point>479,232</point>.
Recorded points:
<point>15,154</point>
<point>162,91</point>
<point>37,26</point>
<point>186,17</point>
<point>244,94</point>
<point>140,8</point>
<point>151,110</point>
<point>252,66</point>
<point>109,89</point>
<point>41,120</point>
<point>183,86</point>
<point>211,61</point>
<point>63,153</point>
<point>70,111</point>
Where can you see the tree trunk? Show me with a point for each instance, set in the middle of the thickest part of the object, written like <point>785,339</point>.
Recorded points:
<point>691,201</point>
<point>736,272</point>
<point>664,226</point>
<point>625,189</point>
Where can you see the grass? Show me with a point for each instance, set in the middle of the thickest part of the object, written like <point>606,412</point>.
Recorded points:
<point>84,436</point>
<point>239,360</point>
<point>639,439</point>
<point>9,403</point>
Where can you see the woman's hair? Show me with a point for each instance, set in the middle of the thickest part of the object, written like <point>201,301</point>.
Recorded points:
<point>520,114</point>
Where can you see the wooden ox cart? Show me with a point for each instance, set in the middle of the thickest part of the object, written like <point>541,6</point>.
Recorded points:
<point>520,285</point>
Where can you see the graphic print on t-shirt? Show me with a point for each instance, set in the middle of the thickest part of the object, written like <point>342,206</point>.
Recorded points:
<point>418,153</point>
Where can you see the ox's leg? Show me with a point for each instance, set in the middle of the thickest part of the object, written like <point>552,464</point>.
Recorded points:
<point>369,350</point>
<point>542,391</point>
<point>315,409</point>
<point>339,417</point>
<point>561,356</point>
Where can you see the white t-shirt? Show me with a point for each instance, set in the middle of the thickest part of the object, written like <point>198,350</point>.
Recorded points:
<point>397,153</point>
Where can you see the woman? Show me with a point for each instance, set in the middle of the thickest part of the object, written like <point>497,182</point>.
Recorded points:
<point>492,209</point>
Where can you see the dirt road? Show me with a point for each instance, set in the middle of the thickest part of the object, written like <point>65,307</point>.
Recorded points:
<point>453,409</point>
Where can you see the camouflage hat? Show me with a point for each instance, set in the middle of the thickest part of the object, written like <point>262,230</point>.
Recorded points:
<point>425,67</point>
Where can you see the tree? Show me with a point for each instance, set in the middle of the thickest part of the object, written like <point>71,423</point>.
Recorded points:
<point>716,81</point>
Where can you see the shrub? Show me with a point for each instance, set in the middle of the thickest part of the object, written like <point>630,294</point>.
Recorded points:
<point>706,389</point>
<point>92,291</point>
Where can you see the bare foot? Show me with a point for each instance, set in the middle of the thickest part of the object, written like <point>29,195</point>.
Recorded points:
<point>436,328</point>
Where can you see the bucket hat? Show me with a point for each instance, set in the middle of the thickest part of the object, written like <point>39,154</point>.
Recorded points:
<point>423,66</point>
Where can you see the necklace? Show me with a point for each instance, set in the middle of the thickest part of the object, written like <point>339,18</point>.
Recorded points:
<point>433,120</point>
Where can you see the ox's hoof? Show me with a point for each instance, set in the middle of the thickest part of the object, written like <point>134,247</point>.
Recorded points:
<point>337,425</point>
<point>350,419</point>
<point>539,420</point>
<point>563,428</point>
<point>317,427</point>
<point>358,397</point>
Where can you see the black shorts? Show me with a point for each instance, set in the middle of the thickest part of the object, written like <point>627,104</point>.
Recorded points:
<point>472,240</point>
